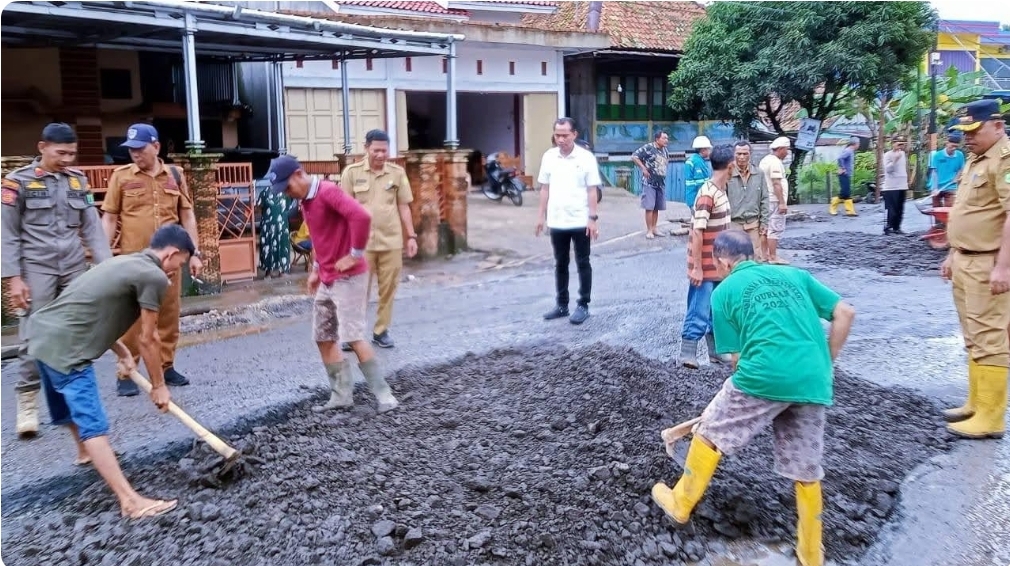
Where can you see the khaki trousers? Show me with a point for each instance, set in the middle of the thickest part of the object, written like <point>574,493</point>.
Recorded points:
<point>753,230</point>
<point>44,289</point>
<point>168,325</point>
<point>385,266</point>
<point>984,317</point>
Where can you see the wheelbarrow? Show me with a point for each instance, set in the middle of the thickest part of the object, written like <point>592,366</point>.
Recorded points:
<point>936,236</point>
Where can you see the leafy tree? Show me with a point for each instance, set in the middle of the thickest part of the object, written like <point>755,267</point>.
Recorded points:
<point>746,57</point>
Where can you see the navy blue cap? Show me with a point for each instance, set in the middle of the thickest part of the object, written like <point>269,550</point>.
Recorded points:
<point>971,116</point>
<point>139,135</point>
<point>955,137</point>
<point>280,172</point>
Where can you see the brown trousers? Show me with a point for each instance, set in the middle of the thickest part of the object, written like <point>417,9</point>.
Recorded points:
<point>385,266</point>
<point>168,325</point>
<point>984,317</point>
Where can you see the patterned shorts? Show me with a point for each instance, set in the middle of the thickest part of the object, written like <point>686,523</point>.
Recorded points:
<point>733,418</point>
<point>338,311</point>
<point>776,223</point>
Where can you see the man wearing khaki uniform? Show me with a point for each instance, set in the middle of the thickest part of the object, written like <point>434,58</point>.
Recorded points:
<point>978,265</point>
<point>146,196</point>
<point>383,189</point>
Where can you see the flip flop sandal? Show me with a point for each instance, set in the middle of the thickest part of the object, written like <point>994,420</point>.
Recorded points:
<point>649,236</point>
<point>81,462</point>
<point>153,511</point>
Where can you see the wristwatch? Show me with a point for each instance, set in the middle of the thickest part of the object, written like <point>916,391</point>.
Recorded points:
<point>414,237</point>
<point>594,217</point>
<point>357,254</point>
<point>198,254</point>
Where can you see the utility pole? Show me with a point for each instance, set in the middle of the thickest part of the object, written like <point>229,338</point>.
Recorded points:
<point>934,63</point>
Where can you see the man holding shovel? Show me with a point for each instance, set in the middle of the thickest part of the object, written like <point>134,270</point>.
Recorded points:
<point>339,280</point>
<point>85,321</point>
<point>769,319</point>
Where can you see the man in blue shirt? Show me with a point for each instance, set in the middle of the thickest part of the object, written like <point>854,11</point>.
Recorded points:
<point>697,169</point>
<point>846,164</point>
<point>946,165</point>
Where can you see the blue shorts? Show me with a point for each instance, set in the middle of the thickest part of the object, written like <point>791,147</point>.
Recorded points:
<point>73,398</point>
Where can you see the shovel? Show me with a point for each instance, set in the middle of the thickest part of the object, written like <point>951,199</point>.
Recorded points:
<point>673,434</point>
<point>230,455</point>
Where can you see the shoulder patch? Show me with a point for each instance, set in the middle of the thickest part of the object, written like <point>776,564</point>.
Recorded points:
<point>1005,151</point>
<point>8,196</point>
<point>12,185</point>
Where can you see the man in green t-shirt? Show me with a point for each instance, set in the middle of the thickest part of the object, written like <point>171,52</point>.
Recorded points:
<point>768,318</point>
<point>88,319</point>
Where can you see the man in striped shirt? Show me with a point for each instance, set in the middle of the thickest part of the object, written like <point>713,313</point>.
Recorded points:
<point>711,216</point>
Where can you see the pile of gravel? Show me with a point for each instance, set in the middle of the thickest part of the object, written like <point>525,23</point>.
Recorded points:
<point>261,312</point>
<point>519,457</point>
<point>898,254</point>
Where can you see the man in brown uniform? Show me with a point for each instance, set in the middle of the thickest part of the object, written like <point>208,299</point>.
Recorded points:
<point>979,267</point>
<point>146,196</point>
<point>383,189</point>
<point>49,217</point>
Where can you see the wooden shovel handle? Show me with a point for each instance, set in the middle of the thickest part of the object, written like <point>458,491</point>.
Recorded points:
<point>202,433</point>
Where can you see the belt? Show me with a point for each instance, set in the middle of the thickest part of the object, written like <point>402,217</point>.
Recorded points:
<point>972,252</point>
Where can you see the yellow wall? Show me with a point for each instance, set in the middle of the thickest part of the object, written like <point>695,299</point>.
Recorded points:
<point>540,110</point>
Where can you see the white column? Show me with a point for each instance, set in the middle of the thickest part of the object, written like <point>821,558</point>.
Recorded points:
<point>391,126</point>
<point>195,141</point>
<point>345,89</point>
<point>560,70</point>
<point>451,136</point>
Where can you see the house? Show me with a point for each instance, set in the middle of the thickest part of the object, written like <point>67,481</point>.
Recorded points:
<point>505,82</point>
<point>619,95</point>
<point>976,46</point>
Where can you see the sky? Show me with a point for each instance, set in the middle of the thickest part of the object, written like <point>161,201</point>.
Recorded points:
<point>976,10</point>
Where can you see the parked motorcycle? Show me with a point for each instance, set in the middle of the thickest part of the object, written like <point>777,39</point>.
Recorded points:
<point>502,182</point>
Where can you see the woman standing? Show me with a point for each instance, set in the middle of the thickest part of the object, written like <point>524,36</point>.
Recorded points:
<point>274,238</point>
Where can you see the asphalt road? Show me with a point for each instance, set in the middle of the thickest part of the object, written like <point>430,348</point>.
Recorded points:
<point>955,509</point>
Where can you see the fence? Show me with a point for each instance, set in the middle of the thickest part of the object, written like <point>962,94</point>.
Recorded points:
<point>613,177</point>
<point>235,215</point>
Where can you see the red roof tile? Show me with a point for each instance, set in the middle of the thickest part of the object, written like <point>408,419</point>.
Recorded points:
<point>657,26</point>
<point>421,7</point>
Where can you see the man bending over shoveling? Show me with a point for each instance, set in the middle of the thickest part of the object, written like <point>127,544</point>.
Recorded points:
<point>768,318</point>
<point>65,336</point>
<point>339,279</point>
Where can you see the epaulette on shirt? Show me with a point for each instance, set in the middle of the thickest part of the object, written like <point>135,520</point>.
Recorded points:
<point>122,167</point>
<point>1005,152</point>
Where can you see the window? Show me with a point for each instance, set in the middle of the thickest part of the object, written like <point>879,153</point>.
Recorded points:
<point>116,84</point>
<point>632,98</point>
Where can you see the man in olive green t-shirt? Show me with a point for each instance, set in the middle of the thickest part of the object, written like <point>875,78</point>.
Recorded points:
<point>88,319</point>
<point>768,318</point>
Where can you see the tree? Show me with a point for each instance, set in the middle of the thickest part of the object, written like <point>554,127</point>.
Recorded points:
<point>772,57</point>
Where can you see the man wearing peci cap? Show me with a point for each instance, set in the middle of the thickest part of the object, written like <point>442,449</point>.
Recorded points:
<point>697,169</point>
<point>49,217</point>
<point>895,186</point>
<point>141,198</point>
<point>340,229</point>
<point>978,265</point>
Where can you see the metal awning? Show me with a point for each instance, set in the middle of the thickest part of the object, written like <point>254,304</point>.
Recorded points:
<point>225,32</point>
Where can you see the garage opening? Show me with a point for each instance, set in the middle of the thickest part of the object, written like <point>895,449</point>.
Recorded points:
<point>487,123</point>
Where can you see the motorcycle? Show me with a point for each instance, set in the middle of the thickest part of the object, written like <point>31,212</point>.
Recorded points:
<point>502,182</point>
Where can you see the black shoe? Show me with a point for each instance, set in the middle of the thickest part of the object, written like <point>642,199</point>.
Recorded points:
<point>175,378</point>
<point>126,388</point>
<point>580,315</point>
<point>383,340</point>
<point>897,231</point>
<point>887,231</point>
<point>556,312</point>
<point>346,347</point>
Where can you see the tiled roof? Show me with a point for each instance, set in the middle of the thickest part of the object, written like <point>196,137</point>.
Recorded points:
<point>419,7</point>
<point>658,26</point>
<point>524,2</point>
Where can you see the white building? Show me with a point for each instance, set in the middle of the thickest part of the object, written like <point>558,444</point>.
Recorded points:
<point>509,81</point>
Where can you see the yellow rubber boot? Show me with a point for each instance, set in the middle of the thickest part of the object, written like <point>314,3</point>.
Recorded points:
<point>990,406</point>
<point>833,207</point>
<point>850,207</point>
<point>699,468</point>
<point>809,546</point>
<point>967,410</point>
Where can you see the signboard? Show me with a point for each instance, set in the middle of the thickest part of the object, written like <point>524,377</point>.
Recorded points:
<point>807,136</point>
